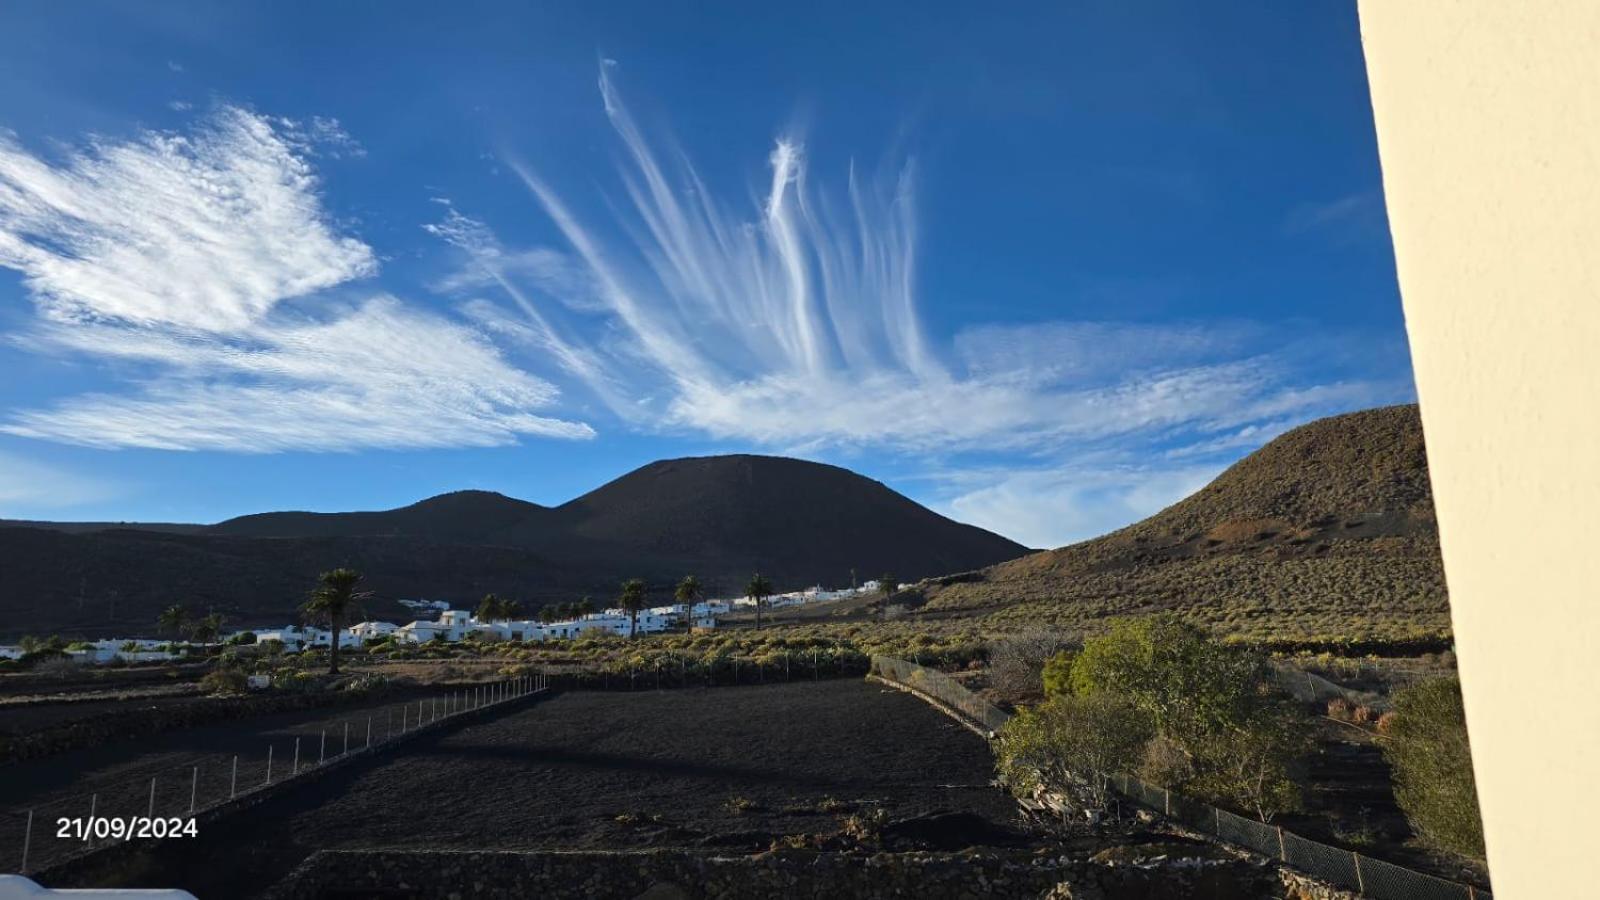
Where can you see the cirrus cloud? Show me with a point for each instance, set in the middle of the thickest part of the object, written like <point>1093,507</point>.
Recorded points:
<point>178,254</point>
<point>795,324</point>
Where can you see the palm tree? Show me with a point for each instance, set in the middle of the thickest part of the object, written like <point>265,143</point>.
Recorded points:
<point>173,619</point>
<point>759,589</point>
<point>585,607</point>
<point>205,630</point>
<point>887,585</point>
<point>687,593</point>
<point>633,600</point>
<point>336,596</point>
<point>493,609</point>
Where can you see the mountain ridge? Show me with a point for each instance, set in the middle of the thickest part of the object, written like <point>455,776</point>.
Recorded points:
<point>720,517</point>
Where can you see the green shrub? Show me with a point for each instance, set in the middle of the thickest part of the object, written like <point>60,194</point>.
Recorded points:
<point>1426,743</point>
<point>1058,674</point>
<point>226,680</point>
<point>1228,737</point>
<point>1071,744</point>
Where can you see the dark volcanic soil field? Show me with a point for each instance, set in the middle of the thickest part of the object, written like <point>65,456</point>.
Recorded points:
<point>724,767</point>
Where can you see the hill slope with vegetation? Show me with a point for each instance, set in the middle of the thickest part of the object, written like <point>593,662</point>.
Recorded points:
<point>1328,531</point>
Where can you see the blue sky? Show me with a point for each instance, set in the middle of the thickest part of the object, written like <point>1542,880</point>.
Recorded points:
<point>1046,269</point>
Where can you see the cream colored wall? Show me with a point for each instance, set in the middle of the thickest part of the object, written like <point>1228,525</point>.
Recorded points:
<point>1488,116</point>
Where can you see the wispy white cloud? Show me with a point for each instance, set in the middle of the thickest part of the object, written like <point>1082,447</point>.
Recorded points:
<point>325,135</point>
<point>794,323</point>
<point>175,254</point>
<point>206,230</point>
<point>1355,216</point>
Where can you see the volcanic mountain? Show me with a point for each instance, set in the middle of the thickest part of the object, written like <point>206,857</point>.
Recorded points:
<point>721,518</point>
<point>1327,530</point>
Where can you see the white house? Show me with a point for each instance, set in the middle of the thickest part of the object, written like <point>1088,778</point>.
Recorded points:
<point>419,632</point>
<point>365,631</point>
<point>100,655</point>
<point>291,637</point>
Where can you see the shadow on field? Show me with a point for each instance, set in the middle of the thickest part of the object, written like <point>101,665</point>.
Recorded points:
<point>734,767</point>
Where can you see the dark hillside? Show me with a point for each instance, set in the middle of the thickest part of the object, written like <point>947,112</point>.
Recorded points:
<point>795,519</point>
<point>720,518</point>
<point>471,516</point>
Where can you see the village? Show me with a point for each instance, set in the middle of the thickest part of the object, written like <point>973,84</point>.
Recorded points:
<point>451,626</point>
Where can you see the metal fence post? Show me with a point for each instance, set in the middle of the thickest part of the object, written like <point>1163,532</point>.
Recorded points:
<point>152,811</point>
<point>369,733</point>
<point>27,839</point>
<point>322,747</point>
<point>194,787</point>
<point>269,764</point>
<point>1361,884</point>
<point>94,800</point>
<point>1166,804</point>
<point>1282,853</point>
<point>296,769</point>
<point>233,783</point>
<point>346,739</point>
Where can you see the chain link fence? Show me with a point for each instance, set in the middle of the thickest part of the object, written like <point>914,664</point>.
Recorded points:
<point>1310,688</point>
<point>942,688</point>
<point>165,801</point>
<point>1344,868</point>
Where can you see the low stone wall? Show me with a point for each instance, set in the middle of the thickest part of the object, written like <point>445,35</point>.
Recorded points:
<point>685,874</point>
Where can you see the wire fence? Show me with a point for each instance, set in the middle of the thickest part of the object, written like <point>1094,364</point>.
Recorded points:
<point>1344,868</point>
<point>1311,688</point>
<point>165,802</point>
<point>942,688</point>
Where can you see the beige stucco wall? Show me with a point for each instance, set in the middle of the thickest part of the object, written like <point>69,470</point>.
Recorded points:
<point>1488,115</point>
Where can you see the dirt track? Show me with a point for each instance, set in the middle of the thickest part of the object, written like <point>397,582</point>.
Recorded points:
<point>558,774</point>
